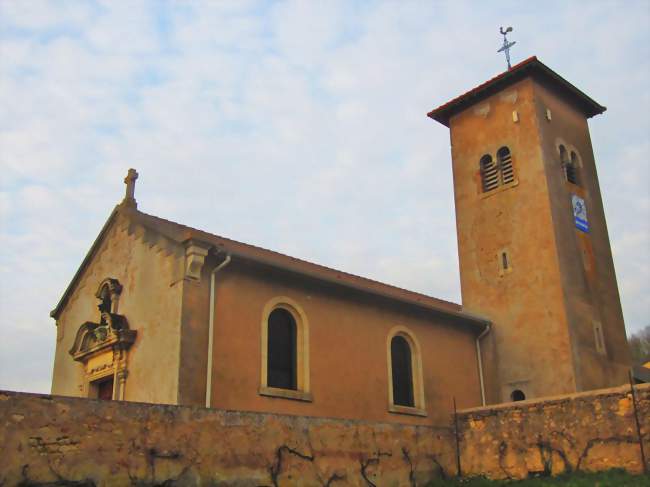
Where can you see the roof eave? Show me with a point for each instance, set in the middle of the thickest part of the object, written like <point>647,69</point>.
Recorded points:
<point>530,67</point>
<point>475,321</point>
<point>219,245</point>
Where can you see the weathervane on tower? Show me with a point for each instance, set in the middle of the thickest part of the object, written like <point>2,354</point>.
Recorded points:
<point>506,45</point>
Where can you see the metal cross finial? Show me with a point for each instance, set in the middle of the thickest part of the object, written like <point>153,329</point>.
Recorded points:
<point>129,180</point>
<point>506,45</point>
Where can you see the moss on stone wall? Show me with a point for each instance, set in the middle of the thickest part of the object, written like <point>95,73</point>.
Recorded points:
<point>70,441</point>
<point>60,441</point>
<point>591,431</point>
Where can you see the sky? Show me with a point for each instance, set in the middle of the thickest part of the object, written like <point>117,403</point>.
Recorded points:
<point>296,126</point>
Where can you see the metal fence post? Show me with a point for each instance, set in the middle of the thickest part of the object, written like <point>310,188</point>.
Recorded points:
<point>458,470</point>
<point>638,425</point>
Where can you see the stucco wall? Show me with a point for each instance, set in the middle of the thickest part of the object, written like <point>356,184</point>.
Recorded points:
<point>48,439</point>
<point>151,302</point>
<point>589,280</point>
<point>585,431</point>
<point>525,304</point>
<point>348,335</point>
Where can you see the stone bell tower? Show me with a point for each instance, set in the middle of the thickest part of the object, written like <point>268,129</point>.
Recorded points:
<point>533,246</point>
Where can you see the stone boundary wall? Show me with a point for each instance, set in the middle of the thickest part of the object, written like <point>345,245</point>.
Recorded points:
<point>50,440</point>
<point>588,431</point>
<point>53,440</point>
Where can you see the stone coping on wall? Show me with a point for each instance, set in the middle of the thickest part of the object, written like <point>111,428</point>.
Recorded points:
<point>48,439</point>
<point>5,394</point>
<point>58,440</point>
<point>542,401</point>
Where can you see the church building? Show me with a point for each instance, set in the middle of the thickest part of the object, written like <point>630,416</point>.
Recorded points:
<point>163,313</point>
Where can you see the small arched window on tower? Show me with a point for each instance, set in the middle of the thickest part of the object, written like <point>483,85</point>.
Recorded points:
<point>569,165</point>
<point>564,156</point>
<point>282,354</point>
<point>572,169</point>
<point>505,165</point>
<point>489,173</point>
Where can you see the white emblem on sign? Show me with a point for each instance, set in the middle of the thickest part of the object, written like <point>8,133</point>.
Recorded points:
<point>580,213</point>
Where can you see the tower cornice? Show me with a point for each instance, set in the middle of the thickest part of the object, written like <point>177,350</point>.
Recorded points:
<point>531,67</point>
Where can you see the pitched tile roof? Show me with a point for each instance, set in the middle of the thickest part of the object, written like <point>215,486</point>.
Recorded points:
<point>530,67</point>
<point>182,233</point>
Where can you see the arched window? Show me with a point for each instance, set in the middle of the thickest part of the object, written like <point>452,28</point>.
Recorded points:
<point>108,293</point>
<point>569,165</point>
<point>505,165</point>
<point>517,395</point>
<point>284,350</point>
<point>572,169</point>
<point>405,386</point>
<point>105,302</point>
<point>281,350</point>
<point>564,156</point>
<point>489,173</point>
<point>400,353</point>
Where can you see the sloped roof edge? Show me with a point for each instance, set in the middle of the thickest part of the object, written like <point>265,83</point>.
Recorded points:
<point>91,252</point>
<point>181,234</point>
<point>529,67</point>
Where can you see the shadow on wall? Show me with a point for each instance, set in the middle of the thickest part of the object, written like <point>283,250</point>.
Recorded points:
<point>83,442</point>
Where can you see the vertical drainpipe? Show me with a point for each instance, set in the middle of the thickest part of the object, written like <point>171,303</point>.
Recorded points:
<point>208,382</point>
<point>480,360</point>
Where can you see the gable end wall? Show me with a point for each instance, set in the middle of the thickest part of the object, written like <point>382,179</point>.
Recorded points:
<point>150,301</point>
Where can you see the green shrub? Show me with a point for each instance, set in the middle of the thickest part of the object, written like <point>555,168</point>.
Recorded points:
<point>610,478</point>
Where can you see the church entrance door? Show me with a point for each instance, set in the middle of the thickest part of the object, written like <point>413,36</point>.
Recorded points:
<point>105,389</point>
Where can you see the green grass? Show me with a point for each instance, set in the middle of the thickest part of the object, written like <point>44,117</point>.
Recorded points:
<point>609,478</point>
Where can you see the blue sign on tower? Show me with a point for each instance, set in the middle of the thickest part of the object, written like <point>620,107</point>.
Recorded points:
<point>580,213</point>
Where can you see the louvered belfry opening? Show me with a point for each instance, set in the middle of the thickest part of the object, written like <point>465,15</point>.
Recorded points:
<point>495,174</point>
<point>281,370</point>
<point>489,173</point>
<point>402,373</point>
<point>505,165</point>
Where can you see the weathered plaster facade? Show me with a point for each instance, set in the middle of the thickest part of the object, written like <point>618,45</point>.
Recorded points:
<point>148,269</point>
<point>548,287</point>
<point>347,340</point>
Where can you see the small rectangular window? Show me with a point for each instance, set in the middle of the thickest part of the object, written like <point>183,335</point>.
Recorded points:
<point>504,262</point>
<point>599,338</point>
